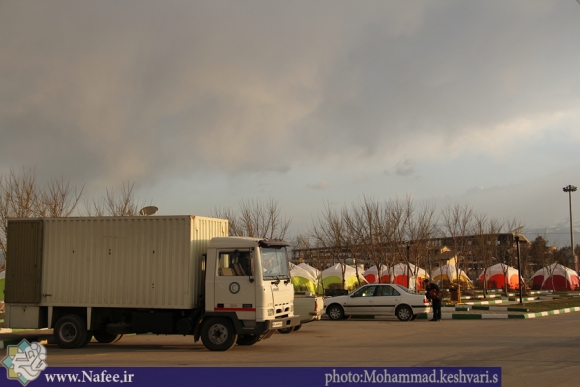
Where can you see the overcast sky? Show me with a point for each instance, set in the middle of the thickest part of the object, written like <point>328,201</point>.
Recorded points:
<point>204,103</point>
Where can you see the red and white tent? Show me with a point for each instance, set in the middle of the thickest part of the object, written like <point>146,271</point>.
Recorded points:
<point>556,277</point>
<point>498,275</point>
<point>400,274</point>
<point>372,275</point>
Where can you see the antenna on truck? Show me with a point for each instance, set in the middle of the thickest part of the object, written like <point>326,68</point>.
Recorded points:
<point>149,210</point>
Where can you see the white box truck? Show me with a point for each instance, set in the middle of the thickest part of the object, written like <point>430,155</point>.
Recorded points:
<point>103,277</point>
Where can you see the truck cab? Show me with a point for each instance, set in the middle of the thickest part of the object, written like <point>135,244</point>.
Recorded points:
<point>248,290</point>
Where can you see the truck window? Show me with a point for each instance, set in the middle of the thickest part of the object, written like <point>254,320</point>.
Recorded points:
<point>274,264</point>
<point>234,263</point>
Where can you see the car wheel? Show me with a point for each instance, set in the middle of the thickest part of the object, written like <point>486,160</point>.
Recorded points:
<point>404,313</point>
<point>335,312</point>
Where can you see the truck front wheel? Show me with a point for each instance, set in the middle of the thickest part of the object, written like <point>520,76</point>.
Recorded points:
<point>71,332</point>
<point>218,334</point>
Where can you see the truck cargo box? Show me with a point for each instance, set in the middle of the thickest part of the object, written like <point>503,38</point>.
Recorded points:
<point>138,262</point>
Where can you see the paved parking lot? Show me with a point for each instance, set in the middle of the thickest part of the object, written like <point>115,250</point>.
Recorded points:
<point>531,352</point>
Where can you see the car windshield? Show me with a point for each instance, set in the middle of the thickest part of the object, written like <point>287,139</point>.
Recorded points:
<point>274,263</point>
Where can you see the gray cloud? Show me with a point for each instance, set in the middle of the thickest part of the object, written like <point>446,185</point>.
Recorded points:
<point>319,186</point>
<point>405,168</point>
<point>110,91</point>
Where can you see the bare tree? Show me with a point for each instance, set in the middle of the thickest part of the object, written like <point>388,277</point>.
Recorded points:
<point>256,219</point>
<point>457,224</point>
<point>124,204</point>
<point>331,233</point>
<point>369,227</point>
<point>413,228</point>
<point>58,200</point>
<point>484,247</point>
<point>21,197</point>
<point>312,254</point>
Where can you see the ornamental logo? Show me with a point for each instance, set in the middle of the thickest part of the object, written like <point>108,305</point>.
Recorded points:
<point>234,288</point>
<point>24,362</point>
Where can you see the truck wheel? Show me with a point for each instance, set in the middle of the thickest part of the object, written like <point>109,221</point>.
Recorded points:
<point>247,339</point>
<point>286,330</point>
<point>297,327</point>
<point>404,313</point>
<point>218,334</point>
<point>71,332</point>
<point>105,337</point>
<point>335,312</point>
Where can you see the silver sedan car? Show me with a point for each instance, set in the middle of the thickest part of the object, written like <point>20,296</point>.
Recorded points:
<point>378,300</point>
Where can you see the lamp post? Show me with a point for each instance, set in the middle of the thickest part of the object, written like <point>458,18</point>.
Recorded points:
<point>570,189</point>
<point>429,260</point>
<point>520,275</point>
<point>407,243</point>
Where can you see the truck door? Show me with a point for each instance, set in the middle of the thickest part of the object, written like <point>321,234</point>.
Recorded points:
<point>235,288</point>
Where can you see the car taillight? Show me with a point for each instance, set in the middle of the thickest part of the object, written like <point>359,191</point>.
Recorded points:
<point>425,301</point>
<point>315,305</point>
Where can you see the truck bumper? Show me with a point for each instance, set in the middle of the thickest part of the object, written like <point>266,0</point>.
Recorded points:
<point>287,322</point>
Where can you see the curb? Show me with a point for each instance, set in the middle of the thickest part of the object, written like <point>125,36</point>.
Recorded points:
<point>493,316</point>
<point>487,302</point>
<point>6,343</point>
<point>547,313</point>
<point>500,308</point>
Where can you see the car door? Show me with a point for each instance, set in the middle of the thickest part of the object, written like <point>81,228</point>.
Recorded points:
<point>385,300</point>
<point>361,301</point>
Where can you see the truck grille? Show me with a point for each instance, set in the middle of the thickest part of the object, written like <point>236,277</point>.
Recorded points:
<point>282,310</point>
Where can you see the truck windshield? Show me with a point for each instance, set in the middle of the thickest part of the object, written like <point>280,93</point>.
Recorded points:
<point>274,263</point>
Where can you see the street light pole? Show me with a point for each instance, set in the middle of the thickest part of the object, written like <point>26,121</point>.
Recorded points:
<point>408,266</point>
<point>520,275</point>
<point>570,189</point>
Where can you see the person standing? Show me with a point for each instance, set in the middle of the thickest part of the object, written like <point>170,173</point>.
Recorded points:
<point>434,295</point>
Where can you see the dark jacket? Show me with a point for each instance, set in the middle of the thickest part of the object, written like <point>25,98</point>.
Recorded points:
<point>432,292</point>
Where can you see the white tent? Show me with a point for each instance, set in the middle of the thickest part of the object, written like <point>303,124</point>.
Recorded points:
<point>449,273</point>
<point>301,278</point>
<point>312,270</point>
<point>334,275</point>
